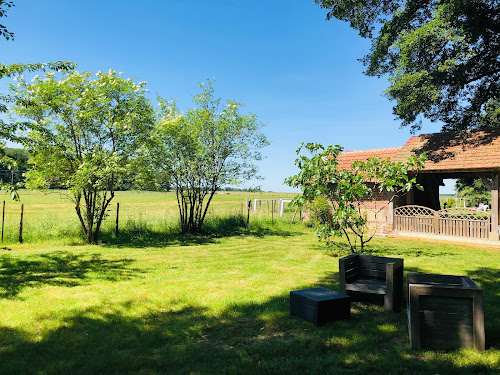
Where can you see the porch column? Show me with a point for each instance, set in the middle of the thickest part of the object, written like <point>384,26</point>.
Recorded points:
<point>410,198</point>
<point>494,208</point>
<point>390,214</point>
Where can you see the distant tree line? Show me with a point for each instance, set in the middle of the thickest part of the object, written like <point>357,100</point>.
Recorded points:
<point>251,190</point>
<point>15,173</point>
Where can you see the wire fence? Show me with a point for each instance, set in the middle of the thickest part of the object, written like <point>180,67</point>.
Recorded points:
<point>39,221</point>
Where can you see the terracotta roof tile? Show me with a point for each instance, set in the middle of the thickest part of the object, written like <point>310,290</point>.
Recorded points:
<point>456,151</point>
<point>450,152</point>
<point>346,158</point>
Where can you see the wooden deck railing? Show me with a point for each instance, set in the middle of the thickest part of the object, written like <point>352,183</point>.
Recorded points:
<point>450,222</point>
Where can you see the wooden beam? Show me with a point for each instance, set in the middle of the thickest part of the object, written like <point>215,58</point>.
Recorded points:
<point>487,183</point>
<point>410,197</point>
<point>494,208</point>
<point>390,214</point>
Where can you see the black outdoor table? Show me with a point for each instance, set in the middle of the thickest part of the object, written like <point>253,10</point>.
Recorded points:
<point>320,305</point>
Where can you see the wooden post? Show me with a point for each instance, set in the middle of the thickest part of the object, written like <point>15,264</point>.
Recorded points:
<point>3,219</point>
<point>410,197</point>
<point>435,222</point>
<point>494,208</point>
<point>390,215</point>
<point>117,216</point>
<point>21,224</point>
<point>272,211</point>
<point>293,217</point>
<point>267,203</point>
<point>248,211</point>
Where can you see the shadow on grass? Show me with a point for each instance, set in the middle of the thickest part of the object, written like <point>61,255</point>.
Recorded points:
<point>59,268</point>
<point>244,338</point>
<point>487,278</point>
<point>340,248</point>
<point>140,235</point>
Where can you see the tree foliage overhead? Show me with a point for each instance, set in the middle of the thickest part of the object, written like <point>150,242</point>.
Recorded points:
<point>83,131</point>
<point>8,130</point>
<point>4,5</point>
<point>349,194</point>
<point>442,56</point>
<point>199,151</point>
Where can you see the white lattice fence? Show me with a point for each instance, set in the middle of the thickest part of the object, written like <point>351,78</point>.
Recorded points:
<point>414,219</point>
<point>449,222</point>
<point>464,223</point>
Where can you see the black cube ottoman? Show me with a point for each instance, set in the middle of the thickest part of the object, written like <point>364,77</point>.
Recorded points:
<point>320,305</point>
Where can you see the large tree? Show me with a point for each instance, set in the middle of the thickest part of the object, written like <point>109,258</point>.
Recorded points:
<point>199,151</point>
<point>8,130</point>
<point>83,132</point>
<point>442,56</point>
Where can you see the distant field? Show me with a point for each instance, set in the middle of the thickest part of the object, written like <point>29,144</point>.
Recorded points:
<point>51,216</point>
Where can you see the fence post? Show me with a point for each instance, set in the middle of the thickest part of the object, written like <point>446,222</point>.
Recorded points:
<point>436,222</point>
<point>249,204</point>
<point>495,209</point>
<point>3,219</point>
<point>21,224</point>
<point>272,211</point>
<point>117,216</point>
<point>295,213</point>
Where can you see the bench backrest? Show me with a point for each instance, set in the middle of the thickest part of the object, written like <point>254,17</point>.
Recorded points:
<point>367,266</point>
<point>373,266</point>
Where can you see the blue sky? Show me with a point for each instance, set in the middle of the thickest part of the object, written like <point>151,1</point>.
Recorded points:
<point>296,71</point>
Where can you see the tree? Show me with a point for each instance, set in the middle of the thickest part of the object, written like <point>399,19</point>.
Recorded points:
<point>4,5</point>
<point>8,131</point>
<point>349,193</point>
<point>473,190</point>
<point>13,170</point>
<point>201,150</point>
<point>83,132</point>
<point>441,56</point>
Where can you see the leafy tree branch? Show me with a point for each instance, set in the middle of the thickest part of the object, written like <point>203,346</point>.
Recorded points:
<point>350,194</point>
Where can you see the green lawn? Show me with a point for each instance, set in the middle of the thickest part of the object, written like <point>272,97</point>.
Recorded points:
<point>153,303</point>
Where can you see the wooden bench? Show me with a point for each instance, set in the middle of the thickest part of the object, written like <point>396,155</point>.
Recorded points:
<point>374,275</point>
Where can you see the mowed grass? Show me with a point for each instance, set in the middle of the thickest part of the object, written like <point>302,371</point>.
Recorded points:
<point>214,303</point>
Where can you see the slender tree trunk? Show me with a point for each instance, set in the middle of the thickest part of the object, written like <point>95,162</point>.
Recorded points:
<point>208,204</point>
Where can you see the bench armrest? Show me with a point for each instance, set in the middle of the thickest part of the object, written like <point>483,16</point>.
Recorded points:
<point>345,264</point>
<point>394,282</point>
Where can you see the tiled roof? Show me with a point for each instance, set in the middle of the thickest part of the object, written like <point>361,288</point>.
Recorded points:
<point>346,158</point>
<point>447,152</point>
<point>456,151</point>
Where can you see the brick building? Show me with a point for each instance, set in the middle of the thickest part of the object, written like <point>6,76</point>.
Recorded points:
<point>467,154</point>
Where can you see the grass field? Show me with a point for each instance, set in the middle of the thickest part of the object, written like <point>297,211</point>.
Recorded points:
<point>51,217</point>
<point>154,302</point>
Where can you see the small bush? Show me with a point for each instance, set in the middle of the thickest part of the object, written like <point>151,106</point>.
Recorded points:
<point>321,212</point>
